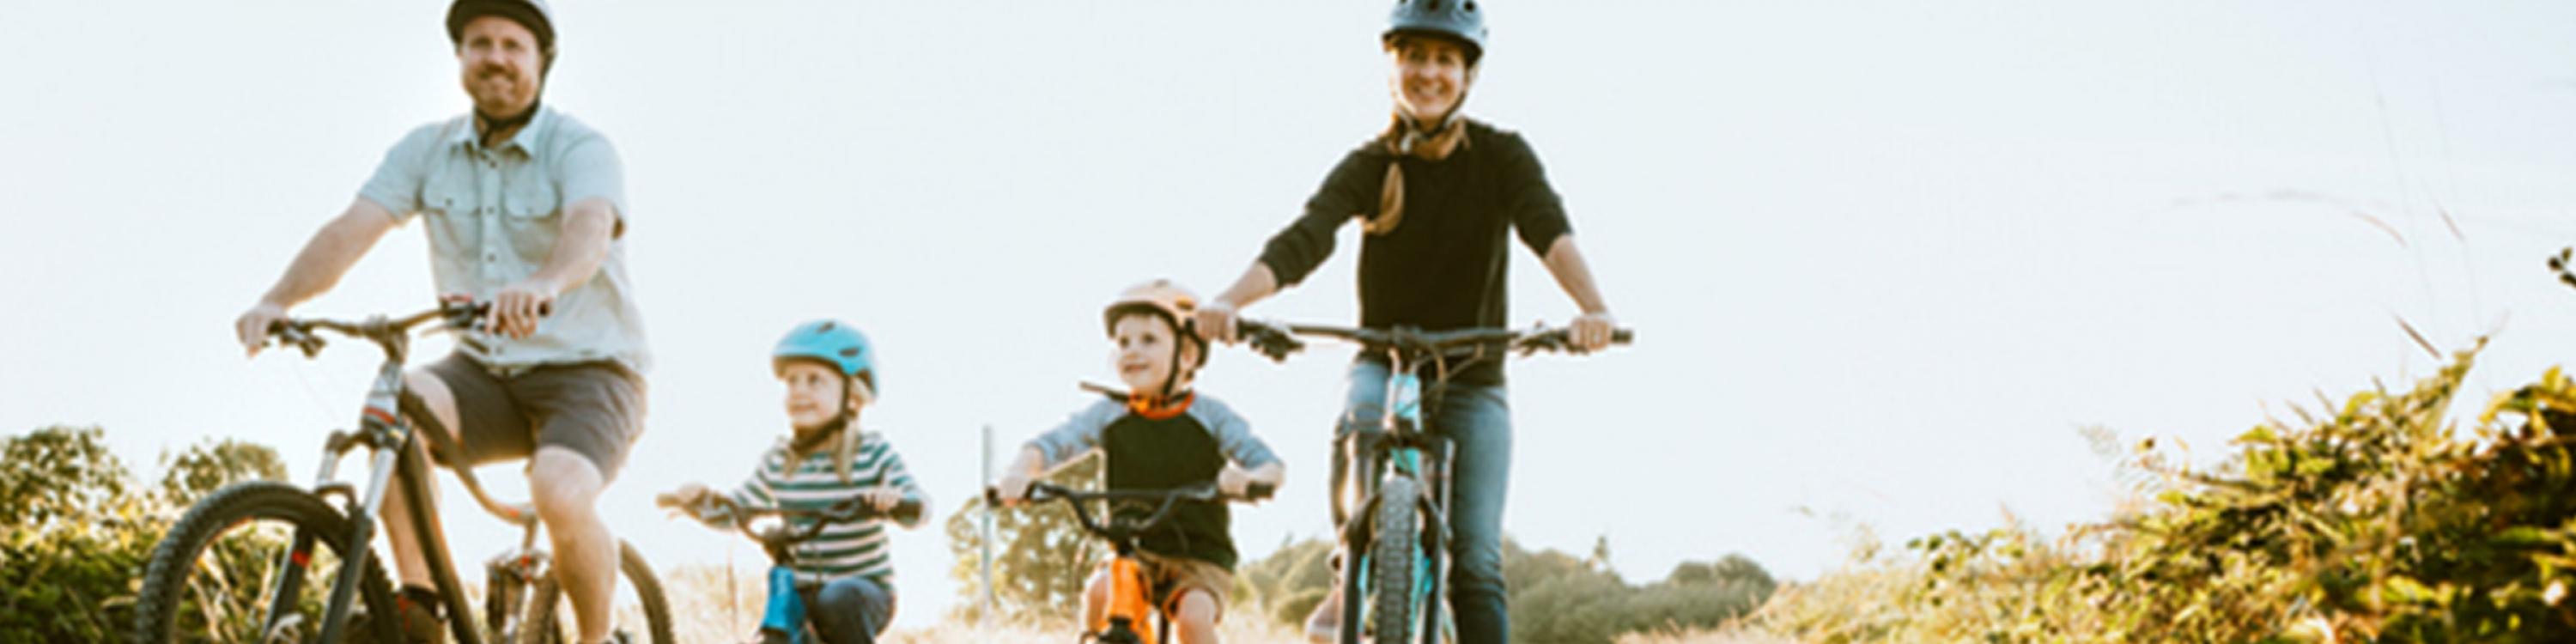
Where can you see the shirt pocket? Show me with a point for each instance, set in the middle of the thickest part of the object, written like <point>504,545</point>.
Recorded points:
<point>448,196</point>
<point>533,217</point>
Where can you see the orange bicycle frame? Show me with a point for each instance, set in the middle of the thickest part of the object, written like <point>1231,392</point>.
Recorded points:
<point>1126,596</point>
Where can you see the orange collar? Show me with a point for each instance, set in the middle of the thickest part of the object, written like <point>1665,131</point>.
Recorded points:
<point>1145,406</point>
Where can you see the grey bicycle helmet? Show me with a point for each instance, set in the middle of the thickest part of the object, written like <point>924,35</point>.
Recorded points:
<point>1458,20</point>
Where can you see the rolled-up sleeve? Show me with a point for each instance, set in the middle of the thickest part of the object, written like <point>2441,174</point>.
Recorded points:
<point>1538,214</point>
<point>589,168</point>
<point>396,185</point>
<point>1348,191</point>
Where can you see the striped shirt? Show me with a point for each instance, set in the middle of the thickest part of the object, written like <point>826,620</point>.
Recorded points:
<point>843,549</point>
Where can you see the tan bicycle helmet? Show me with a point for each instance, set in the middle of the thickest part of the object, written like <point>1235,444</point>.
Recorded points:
<point>1176,305</point>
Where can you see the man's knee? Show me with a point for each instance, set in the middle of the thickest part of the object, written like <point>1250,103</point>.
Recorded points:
<point>433,393</point>
<point>564,482</point>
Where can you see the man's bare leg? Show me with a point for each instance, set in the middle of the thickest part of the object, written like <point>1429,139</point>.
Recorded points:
<point>567,485</point>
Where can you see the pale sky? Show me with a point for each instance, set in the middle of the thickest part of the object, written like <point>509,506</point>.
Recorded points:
<point>1884,259</point>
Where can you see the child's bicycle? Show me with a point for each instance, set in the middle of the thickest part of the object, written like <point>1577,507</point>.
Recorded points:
<point>1397,539</point>
<point>241,565</point>
<point>1129,607</point>
<point>778,531</point>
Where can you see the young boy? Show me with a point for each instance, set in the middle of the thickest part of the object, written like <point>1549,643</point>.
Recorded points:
<point>845,574</point>
<point>1161,435</point>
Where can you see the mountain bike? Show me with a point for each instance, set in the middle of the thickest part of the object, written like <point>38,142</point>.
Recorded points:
<point>1129,606</point>
<point>1397,539</point>
<point>242,564</point>
<point>778,531</point>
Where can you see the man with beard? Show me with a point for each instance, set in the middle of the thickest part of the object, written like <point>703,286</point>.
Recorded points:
<point>524,209</point>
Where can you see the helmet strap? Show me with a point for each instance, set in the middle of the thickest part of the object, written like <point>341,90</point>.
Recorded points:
<point>494,125</point>
<point>804,441</point>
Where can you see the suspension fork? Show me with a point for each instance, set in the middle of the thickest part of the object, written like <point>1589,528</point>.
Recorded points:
<point>378,427</point>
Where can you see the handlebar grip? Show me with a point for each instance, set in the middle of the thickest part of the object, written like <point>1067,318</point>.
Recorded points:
<point>1258,491</point>
<point>1269,340</point>
<point>993,495</point>
<point>907,511</point>
<point>1623,336</point>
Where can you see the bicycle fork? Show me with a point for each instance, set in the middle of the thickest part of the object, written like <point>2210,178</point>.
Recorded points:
<point>381,430</point>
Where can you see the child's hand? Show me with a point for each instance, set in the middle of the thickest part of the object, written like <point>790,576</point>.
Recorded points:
<point>1011,488</point>
<point>882,498</point>
<point>687,498</point>
<point>1232,480</point>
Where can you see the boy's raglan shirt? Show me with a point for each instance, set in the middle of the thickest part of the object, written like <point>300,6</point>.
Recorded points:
<point>1155,452</point>
<point>814,483</point>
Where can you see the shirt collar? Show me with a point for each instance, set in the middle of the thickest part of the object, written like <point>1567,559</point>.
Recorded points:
<point>525,139</point>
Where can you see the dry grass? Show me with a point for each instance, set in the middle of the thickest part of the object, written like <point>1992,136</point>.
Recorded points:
<point>1723,636</point>
<point>705,612</point>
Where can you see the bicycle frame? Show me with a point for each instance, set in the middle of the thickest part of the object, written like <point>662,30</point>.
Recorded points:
<point>387,423</point>
<point>1128,605</point>
<point>785,611</point>
<point>1404,445</point>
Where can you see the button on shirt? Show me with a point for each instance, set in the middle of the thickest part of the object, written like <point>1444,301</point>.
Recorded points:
<point>493,215</point>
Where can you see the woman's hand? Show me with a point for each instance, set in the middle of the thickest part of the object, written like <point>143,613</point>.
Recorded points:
<point>1591,331</point>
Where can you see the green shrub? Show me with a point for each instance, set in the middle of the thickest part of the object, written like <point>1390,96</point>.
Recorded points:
<point>78,531</point>
<point>2375,521</point>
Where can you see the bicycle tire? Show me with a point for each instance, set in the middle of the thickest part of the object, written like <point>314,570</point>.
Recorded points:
<point>1394,550</point>
<point>546,603</point>
<point>265,508</point>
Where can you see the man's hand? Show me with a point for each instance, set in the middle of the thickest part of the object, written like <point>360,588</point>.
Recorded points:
<point>252,326</point>
<point>516,309</point>
<point>1591,331</point>
<point>1216,321</point>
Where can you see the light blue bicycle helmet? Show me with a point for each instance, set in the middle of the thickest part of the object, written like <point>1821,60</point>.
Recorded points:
<point>832,343</point>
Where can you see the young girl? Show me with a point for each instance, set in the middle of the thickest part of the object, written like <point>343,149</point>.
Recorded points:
<point>846,574</point>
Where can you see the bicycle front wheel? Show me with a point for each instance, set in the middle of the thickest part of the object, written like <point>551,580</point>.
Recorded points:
<point>1395,561</point>
<point>640,612</point>
<point>256,562</point>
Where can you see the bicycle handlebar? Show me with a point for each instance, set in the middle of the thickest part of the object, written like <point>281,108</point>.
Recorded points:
<point>850,510</point>
<point>299,332</point>
<point>1277,340</point>
<point>1040,492</point>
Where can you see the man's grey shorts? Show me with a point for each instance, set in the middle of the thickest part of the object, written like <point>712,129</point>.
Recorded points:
<point>595,409</point>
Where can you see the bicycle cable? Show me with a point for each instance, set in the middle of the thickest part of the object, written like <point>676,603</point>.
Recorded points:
<point>321,409</point>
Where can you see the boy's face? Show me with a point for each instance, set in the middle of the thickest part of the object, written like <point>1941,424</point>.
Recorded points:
<point>814,393</point>
<point>1144,354</point>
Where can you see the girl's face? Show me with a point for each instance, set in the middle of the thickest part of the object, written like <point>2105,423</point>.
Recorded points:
<point>1144,354</point>
<point>1430,78</point>
<point>815,393</point>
